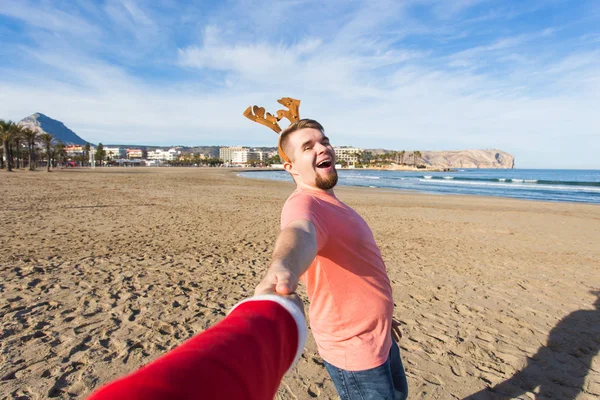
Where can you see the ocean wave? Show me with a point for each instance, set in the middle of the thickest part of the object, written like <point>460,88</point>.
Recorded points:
<point>359,177</point>
<point>521,186</point>
<point>448,177</point>
<point>520,181</point>
<point>574,187</point>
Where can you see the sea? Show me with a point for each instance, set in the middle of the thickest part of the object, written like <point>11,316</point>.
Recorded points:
<point>575,186</point>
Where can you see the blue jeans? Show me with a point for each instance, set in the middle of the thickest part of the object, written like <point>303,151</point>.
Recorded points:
<point>386,382</point>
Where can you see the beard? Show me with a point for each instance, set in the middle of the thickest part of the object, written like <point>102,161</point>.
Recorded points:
<point>327,183</point>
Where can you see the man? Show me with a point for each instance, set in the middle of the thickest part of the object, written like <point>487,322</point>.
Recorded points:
<point>328,246</point>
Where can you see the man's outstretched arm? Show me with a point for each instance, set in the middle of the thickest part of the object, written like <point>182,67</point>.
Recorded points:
<point>295,250</point>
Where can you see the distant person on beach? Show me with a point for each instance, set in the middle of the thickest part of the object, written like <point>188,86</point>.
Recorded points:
<point>331,249</point>
<point>242,357</point>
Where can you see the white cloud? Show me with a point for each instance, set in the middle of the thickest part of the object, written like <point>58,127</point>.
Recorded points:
<point>46,17</point>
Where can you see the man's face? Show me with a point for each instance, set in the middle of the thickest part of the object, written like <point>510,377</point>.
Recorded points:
<point>313,159</point>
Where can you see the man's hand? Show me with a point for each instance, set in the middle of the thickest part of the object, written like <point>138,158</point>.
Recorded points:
<point>295,250</point>
<point>396,332</point>
<point>278,280</point>
<point>266,287</point>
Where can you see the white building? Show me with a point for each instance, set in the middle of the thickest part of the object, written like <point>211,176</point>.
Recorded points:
<point>114,152</point>
<point>247,156</point>
<point>349,154</point>
<point>244,157</point>
<point>160,154</point>
<point>226,153</point>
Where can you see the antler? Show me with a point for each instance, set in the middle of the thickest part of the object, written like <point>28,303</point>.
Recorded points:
<point>293,111</point>
<point>257,114</point>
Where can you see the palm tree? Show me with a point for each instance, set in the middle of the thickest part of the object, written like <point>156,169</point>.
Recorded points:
<point>100,154</point>
<point>416,154</point>
<point>60,154</point>
<point>402,153</point>
<point>6,135</point>
<point>30,136</point>
<point>17,139</point>
<point>47,140</point>
<point>86,153</point>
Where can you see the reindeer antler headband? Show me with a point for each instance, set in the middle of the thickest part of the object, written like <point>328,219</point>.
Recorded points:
<point>257,114</point>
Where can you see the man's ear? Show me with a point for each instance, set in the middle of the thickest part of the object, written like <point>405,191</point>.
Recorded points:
<point>290,168</point>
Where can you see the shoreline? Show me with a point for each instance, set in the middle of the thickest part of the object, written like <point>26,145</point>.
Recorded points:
<point>423,192</point>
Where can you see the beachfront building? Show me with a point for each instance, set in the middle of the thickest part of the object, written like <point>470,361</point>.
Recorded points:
<point>115,152</point>
<point>351,155</point>
<point>248,156</point>
<point>165,155</point>
<point>74,150</point>
<point>226,153</point>
<point>242,155</point>
<point>260,155</point>
<point>134,153</point>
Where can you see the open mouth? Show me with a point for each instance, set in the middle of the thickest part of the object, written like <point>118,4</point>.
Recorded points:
<point>324,164</point>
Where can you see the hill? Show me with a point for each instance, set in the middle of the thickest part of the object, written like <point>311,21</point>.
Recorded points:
<point>41,122</point>
<point>489,158</point>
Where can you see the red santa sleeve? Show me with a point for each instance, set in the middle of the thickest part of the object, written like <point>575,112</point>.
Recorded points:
<point>242,357</point>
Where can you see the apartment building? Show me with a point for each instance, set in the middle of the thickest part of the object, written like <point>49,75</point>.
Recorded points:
<point>74,150</point>
<point>134,153</point>
<point>160,154</point>
<point>226,153</point>
<point>115,152</point>
<point>349,154</point>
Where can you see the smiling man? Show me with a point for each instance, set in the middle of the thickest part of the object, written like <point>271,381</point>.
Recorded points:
<point>331,249</point>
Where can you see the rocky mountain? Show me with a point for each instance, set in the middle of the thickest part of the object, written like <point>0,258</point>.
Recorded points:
<point>41,122</point>
<point>490,158</point>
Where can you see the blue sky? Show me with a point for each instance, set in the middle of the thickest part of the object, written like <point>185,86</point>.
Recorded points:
<point>521,76</point>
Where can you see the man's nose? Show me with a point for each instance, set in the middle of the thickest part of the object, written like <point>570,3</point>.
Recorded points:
<point>320,148</point>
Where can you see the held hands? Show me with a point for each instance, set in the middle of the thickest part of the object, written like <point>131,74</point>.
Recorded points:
<point>281,282</point>
<point>278,280</point>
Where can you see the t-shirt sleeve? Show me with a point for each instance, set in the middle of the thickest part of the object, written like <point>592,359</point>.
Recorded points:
<point>308,208</point>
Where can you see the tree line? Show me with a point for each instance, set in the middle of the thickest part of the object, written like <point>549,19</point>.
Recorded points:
<point>367,158</point>
<point>23,147</point>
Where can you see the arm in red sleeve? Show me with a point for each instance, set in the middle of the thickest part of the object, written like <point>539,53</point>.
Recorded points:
<point>242,357</point>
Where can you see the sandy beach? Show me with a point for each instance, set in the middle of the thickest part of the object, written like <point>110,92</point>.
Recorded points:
<point>104,270</point>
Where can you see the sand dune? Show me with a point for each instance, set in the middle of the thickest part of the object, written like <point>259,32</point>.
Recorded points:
<point>104,270</point>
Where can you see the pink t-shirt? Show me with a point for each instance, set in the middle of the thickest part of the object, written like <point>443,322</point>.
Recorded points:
<point>350,295</point>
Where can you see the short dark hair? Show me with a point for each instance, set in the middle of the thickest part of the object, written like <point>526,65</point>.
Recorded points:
<point>296,126</point>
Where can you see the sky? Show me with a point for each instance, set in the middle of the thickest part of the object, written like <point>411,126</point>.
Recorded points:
<point>520,76</point>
